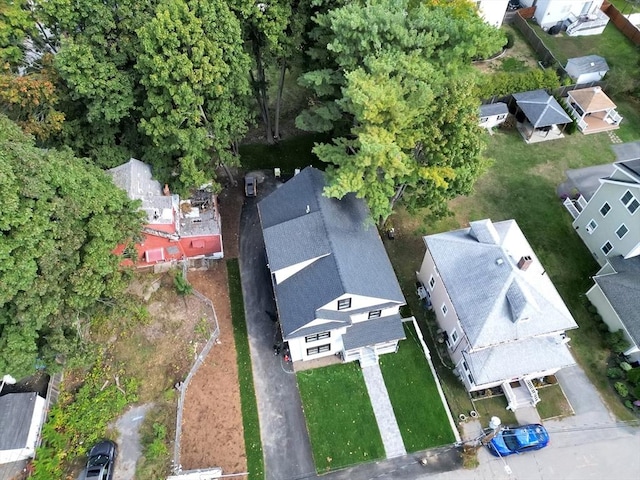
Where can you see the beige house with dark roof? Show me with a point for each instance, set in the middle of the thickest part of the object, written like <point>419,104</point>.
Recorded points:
<point>500,315</point>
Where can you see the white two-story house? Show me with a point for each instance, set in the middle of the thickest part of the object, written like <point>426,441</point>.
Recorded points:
<point>606,216</point>
<point>335,289</point>
<point>500,315</point>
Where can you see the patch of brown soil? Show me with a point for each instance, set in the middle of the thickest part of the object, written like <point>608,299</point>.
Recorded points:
<point>212,431</point>
<point>231,199</point>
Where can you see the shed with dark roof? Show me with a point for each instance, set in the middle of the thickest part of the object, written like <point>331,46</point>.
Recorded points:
<point>587,69</point>
<point>21,417</point>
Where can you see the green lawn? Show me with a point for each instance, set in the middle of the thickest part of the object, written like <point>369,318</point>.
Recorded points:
<point>342,427</point>
<point>250,421</point>
<point>414,395</point>
<point>553,402</point>
<point>495,406</point>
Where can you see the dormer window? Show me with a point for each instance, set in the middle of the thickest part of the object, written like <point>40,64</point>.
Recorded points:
<point>344,304</point>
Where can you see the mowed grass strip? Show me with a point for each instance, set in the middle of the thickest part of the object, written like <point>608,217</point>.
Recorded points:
<point>250,421</point>
<point>340,419</point>
<point>414,396</point>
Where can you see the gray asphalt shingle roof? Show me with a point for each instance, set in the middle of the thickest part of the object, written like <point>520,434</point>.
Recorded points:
<point>512,360</point>
<point>587,64</point>
<point>300,224</point>
<point>478,278</point>
<point>371,332</point>
<point>622,290</point>
<point>626,151</point>
<point>491,109</point>
<point>16,414</point>
<point>541,109</point>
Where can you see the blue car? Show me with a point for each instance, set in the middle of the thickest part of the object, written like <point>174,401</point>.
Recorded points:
<point>518,440</point>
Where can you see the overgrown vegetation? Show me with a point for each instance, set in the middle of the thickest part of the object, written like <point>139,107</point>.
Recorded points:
<point>156,437</point>
<point>250,421</point>
<point>504,83</point>
<point>80,419</point>
<point>342,427</point>
<point>183,287</point>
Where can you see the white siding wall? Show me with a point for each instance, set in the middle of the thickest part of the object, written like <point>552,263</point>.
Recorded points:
<point>610,317</point>
<point>357,302</point>
<point>492,11</point>
<point>385,312</point>
<point>298,346</point>
<point>492,121</point>
<point>609,224</point>
<point>550,12</point>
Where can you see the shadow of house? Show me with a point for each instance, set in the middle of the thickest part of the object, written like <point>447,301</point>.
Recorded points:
<point>539,116</point>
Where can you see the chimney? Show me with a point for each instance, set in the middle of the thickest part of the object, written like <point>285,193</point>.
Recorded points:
<point>165,191</point>
<point>524,262</point>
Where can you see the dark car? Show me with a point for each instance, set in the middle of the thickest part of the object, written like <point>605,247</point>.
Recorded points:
<point>521,439</point>
<point>102,458</point>
<point>250,188</point>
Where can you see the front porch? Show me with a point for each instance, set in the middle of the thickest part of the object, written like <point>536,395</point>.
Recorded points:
<point>520,393</point>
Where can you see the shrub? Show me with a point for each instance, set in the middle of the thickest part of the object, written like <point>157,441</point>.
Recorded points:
<point>625,366</point>
<point>628,404</point>
<point>615,373</point>
<point>505,83</point>
<point>636,391</point>
<point>510,40</point>
<point>621,388</point>
<point>616,341</point>
<point>633,376</point>
<point>182,286</point>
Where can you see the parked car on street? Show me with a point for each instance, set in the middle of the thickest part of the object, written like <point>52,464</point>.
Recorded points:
<point>101,463</point>
<point>520,439</point>
<point>250,186</point>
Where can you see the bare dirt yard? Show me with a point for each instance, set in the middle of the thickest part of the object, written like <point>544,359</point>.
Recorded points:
<point>212,432</point>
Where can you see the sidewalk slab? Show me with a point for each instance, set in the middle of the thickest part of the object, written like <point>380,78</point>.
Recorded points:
<point>387,424</point>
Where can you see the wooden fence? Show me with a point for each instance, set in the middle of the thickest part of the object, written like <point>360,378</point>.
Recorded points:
<point>546,57</point>
<point>622,23</point>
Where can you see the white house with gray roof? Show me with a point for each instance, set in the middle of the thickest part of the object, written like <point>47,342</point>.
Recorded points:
<point>335,289</point>
<point>500,315</point>
<point>606,213</point>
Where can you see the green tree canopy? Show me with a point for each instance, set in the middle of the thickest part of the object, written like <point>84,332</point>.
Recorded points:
<point>61,218</point>
<point>195,73</point>
<point>397,79</point>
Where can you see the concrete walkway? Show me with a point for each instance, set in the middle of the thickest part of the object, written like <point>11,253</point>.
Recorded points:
<point>387,424</point>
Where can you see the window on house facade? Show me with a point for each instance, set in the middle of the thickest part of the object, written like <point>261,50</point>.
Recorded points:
<point>318,349</point>
<point>344,304</point>
<point>484,119</point>
<point>444,309</point>
<point>604,209</point>
<point>606,248</point>
<point>467,372</point>
<point>629,201</point>
<point>317,336</point>
<point>454,336</point>
<point>375,314</point>
<point>622,231</point>
<point>500,117</point>
<point>432,282</point>
<point>591,226</point>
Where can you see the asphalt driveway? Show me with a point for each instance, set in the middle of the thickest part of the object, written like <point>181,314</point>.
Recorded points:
<point>285,441</point>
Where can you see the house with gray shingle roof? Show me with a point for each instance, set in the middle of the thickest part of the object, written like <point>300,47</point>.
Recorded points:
<point>539,116</point>
<point>500,315</point>
<point>606,217</point>
<point>335,289</point>
<point>590,68</point>
<point>21,417</point>
<point>616,295</point>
